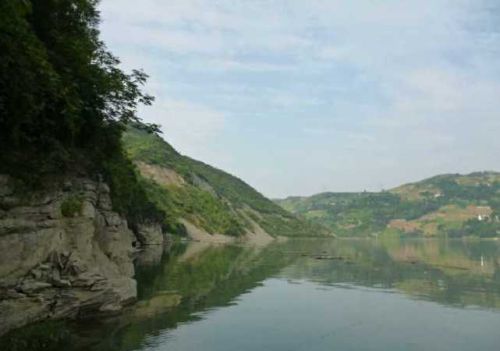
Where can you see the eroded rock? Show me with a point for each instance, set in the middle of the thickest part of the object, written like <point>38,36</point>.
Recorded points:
<point>62,267</point>
<point>31,286</point>
<point>150,234</point>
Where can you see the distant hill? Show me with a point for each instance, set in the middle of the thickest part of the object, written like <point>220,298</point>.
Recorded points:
<point>193,193</point>
<point>450,204</point>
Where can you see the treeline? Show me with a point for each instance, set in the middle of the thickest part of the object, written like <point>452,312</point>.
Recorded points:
<point>365,213</point>
<point>487,228</point>
<point>64,102</point>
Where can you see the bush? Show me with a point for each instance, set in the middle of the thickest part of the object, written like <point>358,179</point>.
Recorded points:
<point>72,206</point>
<point>128,193</point>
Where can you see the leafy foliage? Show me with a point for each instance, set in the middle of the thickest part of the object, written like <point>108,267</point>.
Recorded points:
<point>63,100</point>
<point>484,229</point>
<point>128,193</point>
<point>62,96</point>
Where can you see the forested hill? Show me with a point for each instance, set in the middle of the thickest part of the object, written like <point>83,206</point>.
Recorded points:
<point>213,200</point>
<point>451,204</point>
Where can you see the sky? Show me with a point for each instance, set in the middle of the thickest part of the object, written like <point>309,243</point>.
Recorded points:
<point>298,97</point>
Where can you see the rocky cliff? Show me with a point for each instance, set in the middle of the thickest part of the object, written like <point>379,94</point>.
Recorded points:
<point>65,253</point>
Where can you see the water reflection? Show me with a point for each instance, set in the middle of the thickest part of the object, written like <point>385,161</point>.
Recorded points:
<point>178,285</point>
<point>457,273</point>
<point>189,279</point>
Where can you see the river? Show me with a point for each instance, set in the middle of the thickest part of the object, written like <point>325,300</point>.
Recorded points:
<point>302,294</point>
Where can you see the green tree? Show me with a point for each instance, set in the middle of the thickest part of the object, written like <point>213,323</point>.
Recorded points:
<point>63,99</point>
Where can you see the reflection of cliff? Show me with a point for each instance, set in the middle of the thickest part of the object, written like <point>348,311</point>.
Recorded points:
<point>188,279</point>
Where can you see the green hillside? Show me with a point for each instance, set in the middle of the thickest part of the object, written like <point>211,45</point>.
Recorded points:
<point>452,204</point>
<point>208,197</point>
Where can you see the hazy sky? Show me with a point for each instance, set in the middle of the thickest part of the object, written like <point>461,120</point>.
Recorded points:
<point>302,96</point>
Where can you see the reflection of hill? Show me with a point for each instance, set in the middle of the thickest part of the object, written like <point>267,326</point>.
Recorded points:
<point>448,272</point>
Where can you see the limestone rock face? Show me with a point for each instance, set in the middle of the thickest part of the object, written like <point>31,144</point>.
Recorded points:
<point>150,234</point>
<point>64,253</point>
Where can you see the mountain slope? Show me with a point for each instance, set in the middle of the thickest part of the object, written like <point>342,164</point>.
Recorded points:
<point>191,192</point>
<point>450,204</point>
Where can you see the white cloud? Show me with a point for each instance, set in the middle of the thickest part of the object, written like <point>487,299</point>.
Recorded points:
<point>230,64</point>
<point>188,126</point>
<point>392,90</point>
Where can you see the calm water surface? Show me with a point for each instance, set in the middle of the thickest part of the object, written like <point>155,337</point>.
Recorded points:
<point>308,295</point>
